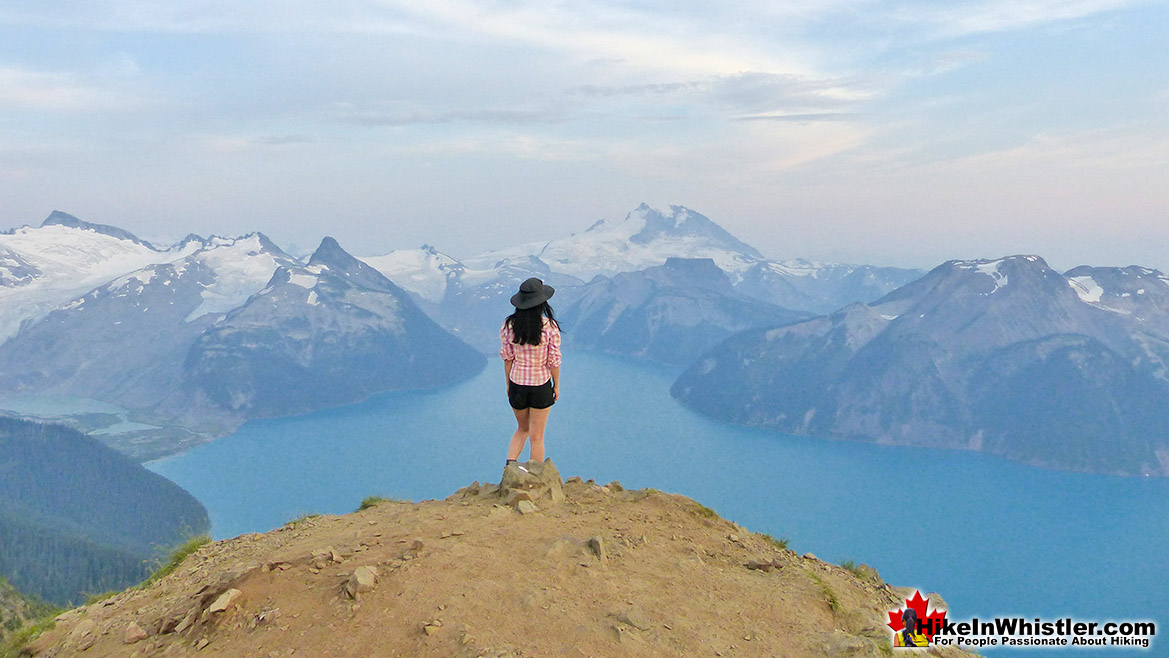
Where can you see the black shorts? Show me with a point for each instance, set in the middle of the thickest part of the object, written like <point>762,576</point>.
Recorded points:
<point>530,397</point>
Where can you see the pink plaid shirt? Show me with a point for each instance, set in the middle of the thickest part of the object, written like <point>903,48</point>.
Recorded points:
<point>533,363</point>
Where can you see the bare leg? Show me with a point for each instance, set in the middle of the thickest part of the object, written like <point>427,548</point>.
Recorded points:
<point>521,434</point>
<point>537,420</point>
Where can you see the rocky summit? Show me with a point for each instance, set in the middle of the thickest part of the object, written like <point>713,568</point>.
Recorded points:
<point>532,566</point>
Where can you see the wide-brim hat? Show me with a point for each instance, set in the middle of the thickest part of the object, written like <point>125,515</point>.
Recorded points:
<point>532,293</point>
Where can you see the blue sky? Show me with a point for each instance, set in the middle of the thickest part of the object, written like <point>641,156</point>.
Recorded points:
<point>859,131</point>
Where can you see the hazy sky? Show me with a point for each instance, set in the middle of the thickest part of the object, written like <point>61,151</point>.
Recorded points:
<point>899,133</point>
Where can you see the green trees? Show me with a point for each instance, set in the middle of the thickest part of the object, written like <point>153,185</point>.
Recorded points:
<point>77,517</point>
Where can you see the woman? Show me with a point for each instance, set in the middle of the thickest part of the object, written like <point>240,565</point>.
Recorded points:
<point>530,349</point>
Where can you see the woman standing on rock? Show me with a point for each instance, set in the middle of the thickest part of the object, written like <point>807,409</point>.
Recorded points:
<point>530,349</point>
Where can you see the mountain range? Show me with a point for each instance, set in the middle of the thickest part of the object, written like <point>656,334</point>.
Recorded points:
<point>469,297</point>
<point>193,340</point>
<point>1004,356</point>
<point>187,342</point>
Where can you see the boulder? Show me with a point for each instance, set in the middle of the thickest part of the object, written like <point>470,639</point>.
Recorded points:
<point>539,481</point>
<point>363,579</point>
<point>596,546</point>
<point>134,633</point>
<point>225,600</point>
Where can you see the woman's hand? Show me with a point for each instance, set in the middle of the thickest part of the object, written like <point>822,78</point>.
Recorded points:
<point>556,392</point>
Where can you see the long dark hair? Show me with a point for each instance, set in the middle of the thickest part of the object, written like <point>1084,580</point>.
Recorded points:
<point>527,325</point>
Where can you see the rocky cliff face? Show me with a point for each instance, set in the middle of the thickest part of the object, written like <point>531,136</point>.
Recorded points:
<point>531,567</point>
<point>1006,356</point>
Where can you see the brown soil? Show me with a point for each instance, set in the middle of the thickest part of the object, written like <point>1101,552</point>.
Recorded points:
<point>470,576</point>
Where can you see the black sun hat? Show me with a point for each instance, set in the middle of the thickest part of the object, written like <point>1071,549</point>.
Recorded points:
<point>532,293</point>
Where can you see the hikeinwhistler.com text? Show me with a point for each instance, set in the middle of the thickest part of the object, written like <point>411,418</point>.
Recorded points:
<point>1020,632</point>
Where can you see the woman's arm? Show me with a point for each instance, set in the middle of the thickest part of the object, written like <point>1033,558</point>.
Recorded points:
<point>507,353</point>
<point>556,383</point>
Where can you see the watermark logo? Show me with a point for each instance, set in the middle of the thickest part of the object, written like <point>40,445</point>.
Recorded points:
<point>916,623</point>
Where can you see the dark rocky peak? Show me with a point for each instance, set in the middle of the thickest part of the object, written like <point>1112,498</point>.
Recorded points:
<point>1000,270</point>
<point>330,258</point>
<point>1133,280</point>
<point>1136,292</point>
<point>982,278</point>
<point>267,245</point>
<point>330,254</point>
<point>982,303</point>
<point>58,218</point>
<point>281,275</point>
<point>699,273</point>
<point>600,224</point>
<point>193,237</point>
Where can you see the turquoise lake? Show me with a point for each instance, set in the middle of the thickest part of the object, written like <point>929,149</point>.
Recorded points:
<point>992,537</point>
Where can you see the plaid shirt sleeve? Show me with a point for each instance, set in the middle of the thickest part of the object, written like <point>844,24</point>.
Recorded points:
<point>506,347</point>
<point>552,334</point>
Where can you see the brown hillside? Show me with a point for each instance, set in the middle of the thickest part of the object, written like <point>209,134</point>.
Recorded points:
<point>593,571</point>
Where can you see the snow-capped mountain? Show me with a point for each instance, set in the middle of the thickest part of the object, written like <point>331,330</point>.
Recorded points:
<point>240,268</point>
<point>1006,356</point>
<point>645,238</point>
<point>332,332</point>
<point>469,302</point>
<point>425,272</point>
<point>1135,291</point>
<point>166,339</point>
<point>125,341</point>
<point>44,267</point>
<point>469,297</point>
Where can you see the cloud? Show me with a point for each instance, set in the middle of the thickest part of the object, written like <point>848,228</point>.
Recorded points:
<point>25,89</point>
<point>283,140</point>
<point>799,118</point>
<point>376,116</point>
<point>645,89</point>
<point>209,16</point>
<point>1001,15</point>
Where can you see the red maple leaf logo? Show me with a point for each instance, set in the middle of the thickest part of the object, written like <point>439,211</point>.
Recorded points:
<point>931,622</point>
